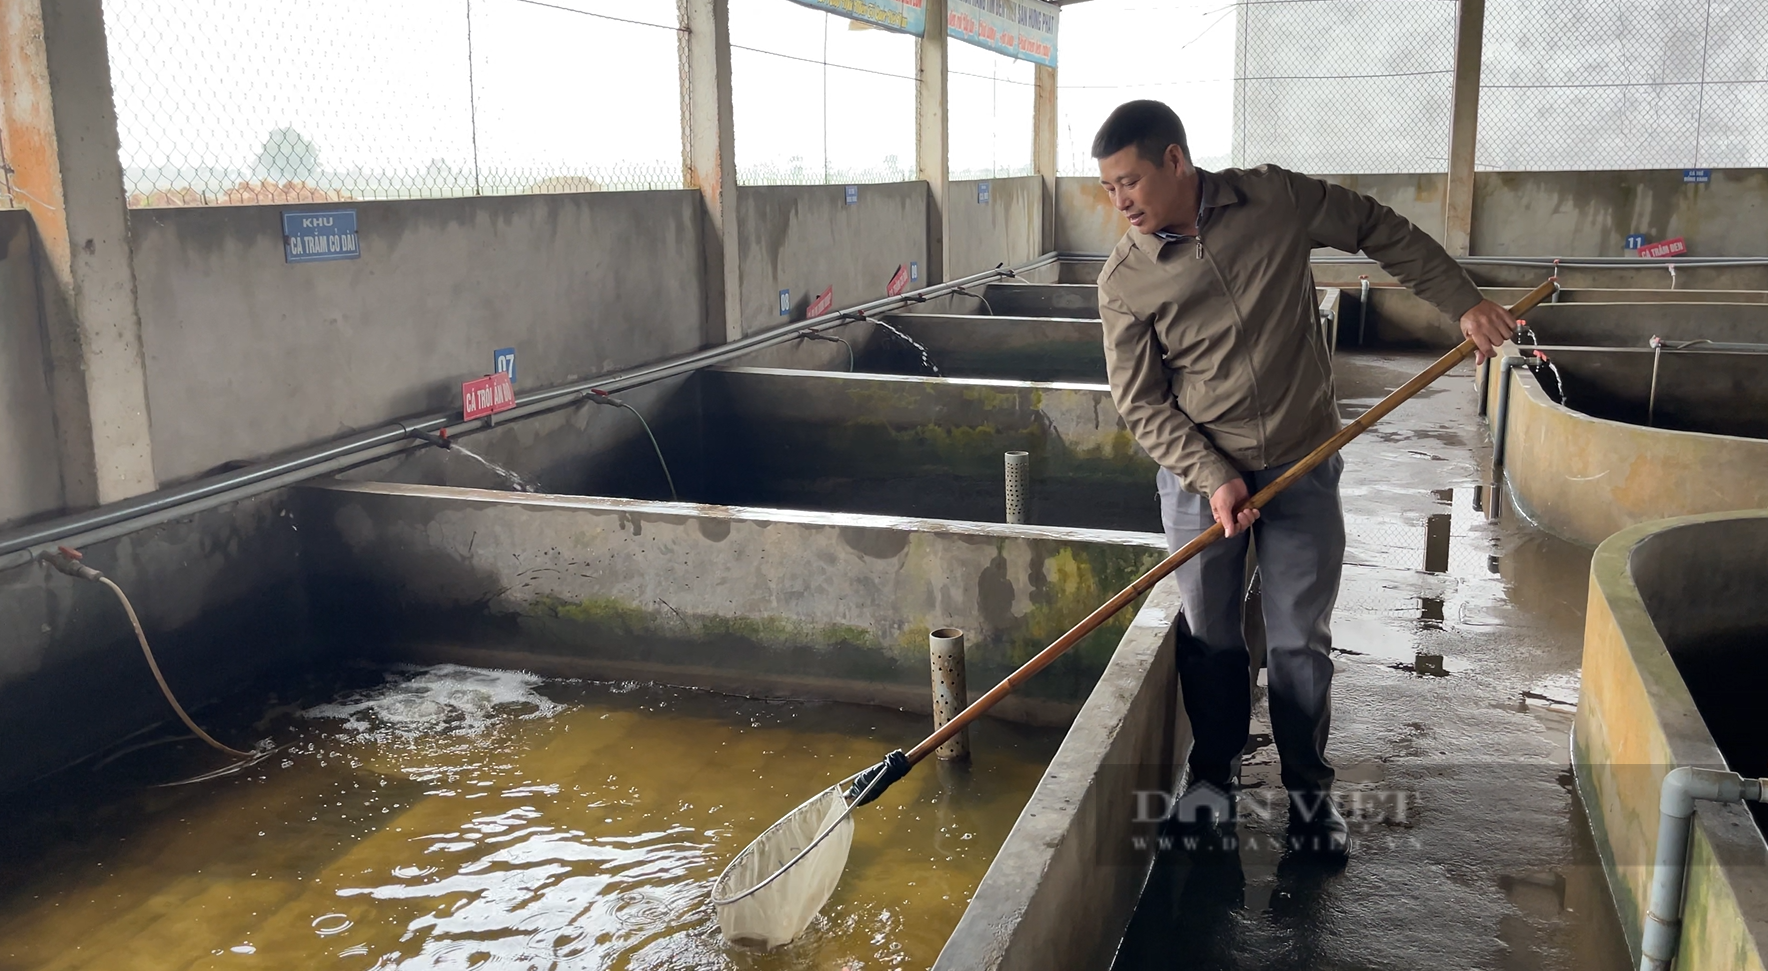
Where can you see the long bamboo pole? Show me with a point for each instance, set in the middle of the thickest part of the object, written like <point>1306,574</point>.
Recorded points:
<point>1160,571</point>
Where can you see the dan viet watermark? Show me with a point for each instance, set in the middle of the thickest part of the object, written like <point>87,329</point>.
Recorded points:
<point>1204,802</point>
<point>1401,812</point>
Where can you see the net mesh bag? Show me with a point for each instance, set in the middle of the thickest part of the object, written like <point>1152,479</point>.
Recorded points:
<point>773,889</point>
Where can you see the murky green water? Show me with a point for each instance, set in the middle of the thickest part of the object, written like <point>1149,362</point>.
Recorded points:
<point>459,818</point>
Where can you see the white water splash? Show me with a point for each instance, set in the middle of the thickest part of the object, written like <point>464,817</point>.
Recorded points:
<point>445,700</point>
<point>926,358</point>
<point>515,481</point>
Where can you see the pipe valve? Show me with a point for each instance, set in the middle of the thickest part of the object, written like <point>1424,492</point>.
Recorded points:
<point>67,560</point>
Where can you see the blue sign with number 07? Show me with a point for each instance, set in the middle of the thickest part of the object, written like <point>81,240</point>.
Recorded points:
<point>504,359</point>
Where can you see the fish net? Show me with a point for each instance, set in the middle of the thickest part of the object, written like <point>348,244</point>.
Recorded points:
<point>772,890</point>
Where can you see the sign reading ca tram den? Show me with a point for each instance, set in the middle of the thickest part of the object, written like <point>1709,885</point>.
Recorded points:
<point>1025,29</point>
<point>309,237</point>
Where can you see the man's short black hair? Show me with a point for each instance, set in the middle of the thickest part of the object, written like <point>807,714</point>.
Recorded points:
<point>1149,125</point>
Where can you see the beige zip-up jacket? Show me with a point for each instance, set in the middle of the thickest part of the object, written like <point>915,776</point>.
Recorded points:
<point>1213,343</point>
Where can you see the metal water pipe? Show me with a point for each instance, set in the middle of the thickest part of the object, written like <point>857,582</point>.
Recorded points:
<point>1501,420</point>
<point>1362,308</point>
<point>21,546</point>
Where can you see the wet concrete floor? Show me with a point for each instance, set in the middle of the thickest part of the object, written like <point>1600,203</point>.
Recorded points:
<point>1457,647</point>
<point>455,818</point>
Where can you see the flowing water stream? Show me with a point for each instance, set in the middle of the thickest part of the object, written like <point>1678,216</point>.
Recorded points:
<point>515,481</point>
<point>926,358</point>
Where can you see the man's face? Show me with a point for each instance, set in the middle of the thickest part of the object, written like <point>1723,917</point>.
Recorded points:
<point>1149,195</point>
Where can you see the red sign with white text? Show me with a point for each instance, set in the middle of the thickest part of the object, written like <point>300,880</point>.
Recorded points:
<point>1669,247</point>
<point>823,303</point>
<point>899,282</point>
<point>486,396</point>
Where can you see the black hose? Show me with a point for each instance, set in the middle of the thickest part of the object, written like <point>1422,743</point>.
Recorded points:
<point>609,400</point>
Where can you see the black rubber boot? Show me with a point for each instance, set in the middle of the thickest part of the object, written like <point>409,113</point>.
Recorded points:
<point>1316,828</point>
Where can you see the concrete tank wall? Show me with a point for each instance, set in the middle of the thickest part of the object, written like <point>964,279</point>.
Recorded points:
<point>1695,391</point>
<point>1608,318</point>
<point>1522,213</point>
<point>1592,213</point>
<point>221,599</point>
<point>1005,229</point>
<point>248,355</point>
<point>803,238</point>
<point>1085,221</point>
<point>1065,882</point>
<point>982,346</point>
<point>771,602</point>
<point>1584,478</point>
<point>30,459</point>
<point>1657,589</point>
<point>923,447</point>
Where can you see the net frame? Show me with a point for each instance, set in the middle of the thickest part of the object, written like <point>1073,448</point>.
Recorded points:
<point>775,910</point>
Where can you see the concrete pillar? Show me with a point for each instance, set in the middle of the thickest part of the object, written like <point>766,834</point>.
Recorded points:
<point>58,127</point>
<point>932,136</point>
<point>1470,24</point>
<point>1043,148</point>
<point>709,156</point>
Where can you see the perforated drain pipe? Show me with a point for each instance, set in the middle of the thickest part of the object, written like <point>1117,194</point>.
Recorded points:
<point>1015,469</point>
<point>22,546</point>
<point>951,693</point>
<point>1669,874</point>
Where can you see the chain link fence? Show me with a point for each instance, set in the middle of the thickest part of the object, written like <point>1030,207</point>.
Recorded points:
<point>231,102</point>
<point>1344,86</point>
<point>819,99</point>
<point>1196,77</point>
<point>1597,84</point>
<point>225,102</point>
<point>989,102</point>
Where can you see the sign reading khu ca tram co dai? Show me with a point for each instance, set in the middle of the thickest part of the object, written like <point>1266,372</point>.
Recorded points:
<point>309,237</point>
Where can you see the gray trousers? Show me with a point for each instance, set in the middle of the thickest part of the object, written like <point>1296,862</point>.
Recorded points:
<point>1299,541</point>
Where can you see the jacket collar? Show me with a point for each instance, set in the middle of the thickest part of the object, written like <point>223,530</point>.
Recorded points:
<point>1213,190</point>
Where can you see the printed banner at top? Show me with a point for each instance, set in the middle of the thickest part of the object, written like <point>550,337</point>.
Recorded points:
<point>904,16</point>
<point>1025,29</point>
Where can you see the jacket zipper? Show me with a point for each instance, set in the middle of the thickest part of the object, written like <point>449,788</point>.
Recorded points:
<point>1252,372</point>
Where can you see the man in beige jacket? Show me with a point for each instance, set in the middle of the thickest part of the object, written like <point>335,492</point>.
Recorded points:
<point>1218,365</point>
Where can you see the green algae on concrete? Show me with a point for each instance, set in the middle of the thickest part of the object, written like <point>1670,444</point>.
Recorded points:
<point>746,599</point>
<point>1066,584</point>
<point>1656,588</point>
<point>612,629</point>
<point>924,447</point>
